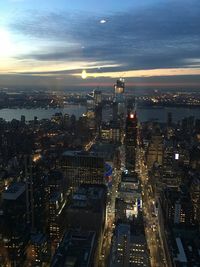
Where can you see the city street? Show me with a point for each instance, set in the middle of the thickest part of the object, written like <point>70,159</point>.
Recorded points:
<point>110,220</point>
<point>150,218</point>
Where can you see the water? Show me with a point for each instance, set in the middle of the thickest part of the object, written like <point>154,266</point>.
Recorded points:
<point>144,114</point>
<point>40,113</point>
<point>160,114</point>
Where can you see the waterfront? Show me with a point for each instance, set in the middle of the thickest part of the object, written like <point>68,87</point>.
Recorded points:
<point>40,113</point>
<point>160,114</point>
<point>144,114</point>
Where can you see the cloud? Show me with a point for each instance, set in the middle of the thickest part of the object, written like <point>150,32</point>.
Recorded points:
<point>158,36</point>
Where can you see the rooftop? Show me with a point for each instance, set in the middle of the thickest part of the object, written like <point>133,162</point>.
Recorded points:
<point>129,177</point>
<point>89,197</point>
<point>38,239</point>
<point>75,250</point>
<point>14,191</point>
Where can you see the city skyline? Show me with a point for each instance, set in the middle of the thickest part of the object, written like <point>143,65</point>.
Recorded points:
<point>153,43</point>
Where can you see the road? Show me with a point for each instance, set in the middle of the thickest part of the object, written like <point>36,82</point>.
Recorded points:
<point>151,221</point>
<point>110,220</point>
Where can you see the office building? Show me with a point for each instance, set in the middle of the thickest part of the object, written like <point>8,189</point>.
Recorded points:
<point>88,208</point>
<point>177,207</point>
<point>195,197</point>
<point>87,211</point>
<point>119,100</point>
<point>14,229</point>
<point>82,167</point>
<point>131,141</point>
<point>38,253</point>
<point>129,247</point>
<point>56,216</point>
<point>77,249</point>
<point>155,150</point>
<point>97,94</point>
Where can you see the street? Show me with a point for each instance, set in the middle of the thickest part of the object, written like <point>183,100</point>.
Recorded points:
<point>150,218</point>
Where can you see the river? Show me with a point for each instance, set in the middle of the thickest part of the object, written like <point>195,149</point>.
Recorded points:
<point>144,114</point>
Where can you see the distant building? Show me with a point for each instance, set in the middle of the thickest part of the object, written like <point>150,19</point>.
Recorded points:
<point>97,94</point>
<point>119,101</point>
<point>116,132</point>
<point>195,197</point>
<point>105,133</point>
<point>155,151</point>
<point>169,119</point>
<point>23,119</point>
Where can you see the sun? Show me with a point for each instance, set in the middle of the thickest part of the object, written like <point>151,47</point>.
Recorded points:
<point>84,74</point>
<point>6,45</point>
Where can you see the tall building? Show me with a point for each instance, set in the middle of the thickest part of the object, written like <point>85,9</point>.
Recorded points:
<point>77,248</point>
<point>122,245</point>
<point>177,207</point>
<point>88,208</point>
<point>56,217</point>
<point>38,253</point>
<point>97,94</point>
<point>116,132</point>
<point>14,230</point>
<point>129,247</point>
<point>119,88</point>
<point>56,190</point>
<point>82,167</point>
<point>169,119</point>
<point>87,212</point>
<point>155,150</point>
<point>23,119</point>
<point>129,201</point>
<point>195,197</point>
<point>119,101</point>
<point>131,140</point>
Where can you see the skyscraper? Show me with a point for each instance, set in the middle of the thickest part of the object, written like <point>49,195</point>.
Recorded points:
<point>119,87</point>
<point>119,101</point>
<point>81,167</point>
<point>131,140</point>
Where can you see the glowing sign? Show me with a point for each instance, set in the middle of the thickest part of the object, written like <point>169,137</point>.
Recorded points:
<point>108,174</point>
<point>132,116</point>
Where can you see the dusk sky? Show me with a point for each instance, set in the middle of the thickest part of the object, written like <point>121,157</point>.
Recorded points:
<point>148,42</point>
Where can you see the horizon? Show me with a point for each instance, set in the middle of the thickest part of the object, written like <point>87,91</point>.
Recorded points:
<point>151,44</point>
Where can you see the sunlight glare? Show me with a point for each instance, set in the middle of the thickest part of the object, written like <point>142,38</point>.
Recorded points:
<point>84,74</point>
<point>6,45</point>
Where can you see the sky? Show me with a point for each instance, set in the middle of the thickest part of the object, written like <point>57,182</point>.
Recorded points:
<point>52,42</point>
